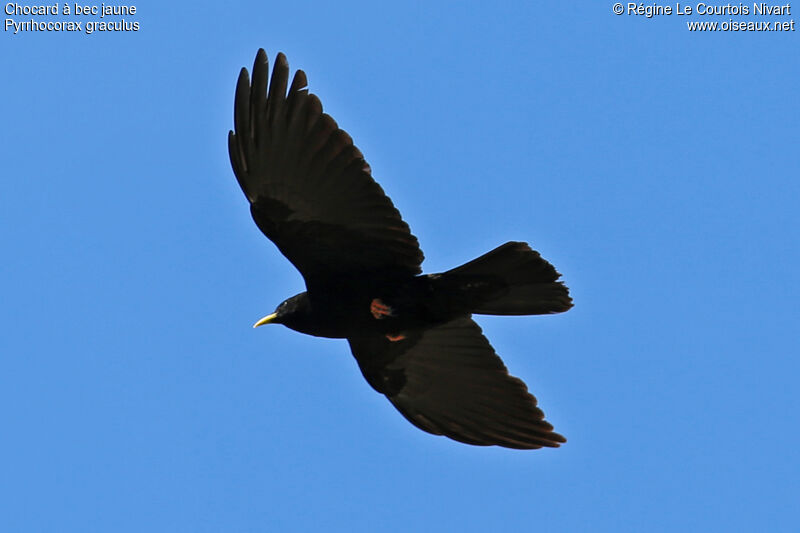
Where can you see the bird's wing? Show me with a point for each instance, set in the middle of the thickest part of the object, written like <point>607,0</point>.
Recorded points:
<point>449,381</point>
<point>309,188</point>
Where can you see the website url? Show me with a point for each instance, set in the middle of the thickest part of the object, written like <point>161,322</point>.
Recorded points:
<point>740,25</point>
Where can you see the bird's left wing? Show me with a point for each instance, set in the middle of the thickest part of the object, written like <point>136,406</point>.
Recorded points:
<point>309,187</point>
<point>447,380</point>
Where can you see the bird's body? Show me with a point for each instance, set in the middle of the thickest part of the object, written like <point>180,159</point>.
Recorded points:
<point>345,310</point>
<point>311,192</point>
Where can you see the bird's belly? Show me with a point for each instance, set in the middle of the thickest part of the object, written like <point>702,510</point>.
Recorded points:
<point>387,310</point>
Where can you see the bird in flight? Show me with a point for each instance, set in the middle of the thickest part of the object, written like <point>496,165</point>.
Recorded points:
<point>312,193</point>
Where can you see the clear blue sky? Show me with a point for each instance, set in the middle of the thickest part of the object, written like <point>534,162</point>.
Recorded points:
<point>657,168</point>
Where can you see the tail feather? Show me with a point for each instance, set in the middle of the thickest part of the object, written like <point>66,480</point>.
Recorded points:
<point>512,279</point>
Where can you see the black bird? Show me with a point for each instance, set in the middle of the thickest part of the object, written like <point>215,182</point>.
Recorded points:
<point>311,192</point>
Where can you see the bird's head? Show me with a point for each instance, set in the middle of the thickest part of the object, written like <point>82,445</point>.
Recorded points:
<point>288,312</point>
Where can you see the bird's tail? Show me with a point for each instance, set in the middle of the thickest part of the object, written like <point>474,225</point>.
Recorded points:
<point>512,279</point>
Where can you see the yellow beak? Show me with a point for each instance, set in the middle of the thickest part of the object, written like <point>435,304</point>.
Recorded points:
<point>266,320</point>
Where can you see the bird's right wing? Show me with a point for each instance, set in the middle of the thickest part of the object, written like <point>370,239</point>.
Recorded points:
<point>309,188</point>
<point>448,380</point>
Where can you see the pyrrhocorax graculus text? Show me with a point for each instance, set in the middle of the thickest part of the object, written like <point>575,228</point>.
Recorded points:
<point>311,192</point>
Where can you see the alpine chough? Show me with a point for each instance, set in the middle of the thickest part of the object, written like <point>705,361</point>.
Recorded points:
<point>312,193</point>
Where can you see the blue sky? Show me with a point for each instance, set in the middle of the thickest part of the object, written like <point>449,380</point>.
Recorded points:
<point>657,168</point>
